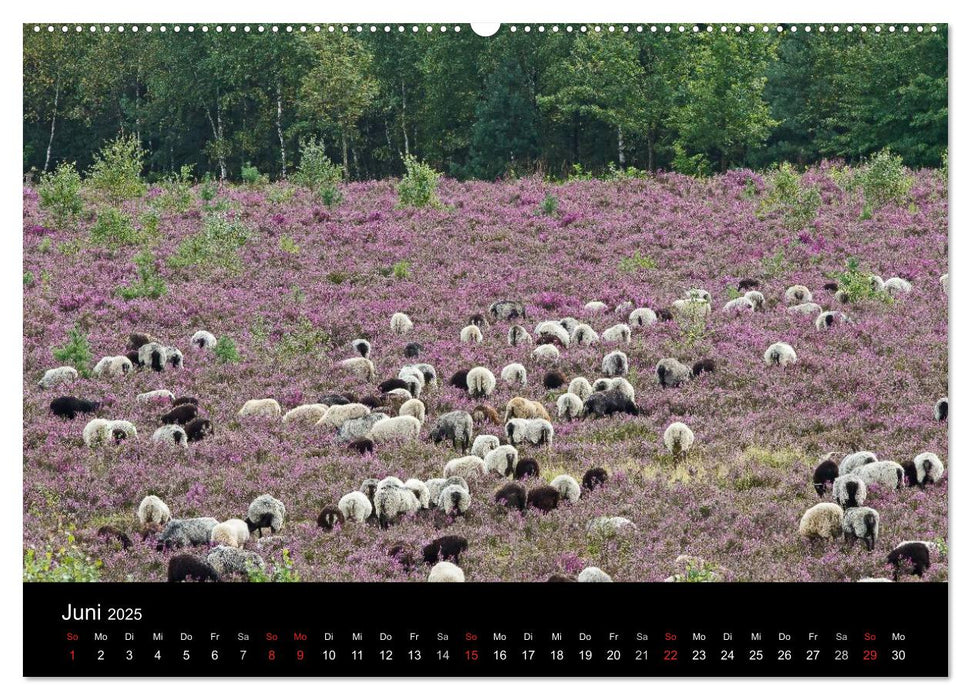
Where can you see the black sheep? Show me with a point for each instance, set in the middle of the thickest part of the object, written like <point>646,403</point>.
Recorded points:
<point>180,414</point>
<point>594,478</point>
<point>664,315</point>
<point>825,473</point>
<point>373,402</point>
<point>747,284</point>
<point>329,517</point>
<point>110,532</point>
<point>334,400</point>
<point>940,410</point>
<point>402,554</point>
<point>446,548</point>
<point>362,446</point>
<point>389,384</point>
<point>185,566</point>
<point>910,558</point>
<point>706,365</point>
<point>197,429</point>
<point>458,379</point>
<point>413,350</point>
<point>605,403</point>
<point>512,495</point>
<point>527,468</point>
<point>183,400</point>
<point>554,379</point>
<point>137,340</point>
<point>560,578</point>
<point>831,287</point>
<point>132,356</point>
<point>544,498</point>
<point>70,406</point>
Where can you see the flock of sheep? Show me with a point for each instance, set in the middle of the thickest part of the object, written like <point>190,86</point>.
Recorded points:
<point>397,414</point>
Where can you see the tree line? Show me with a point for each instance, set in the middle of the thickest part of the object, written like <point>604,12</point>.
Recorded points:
<point>476,107</point>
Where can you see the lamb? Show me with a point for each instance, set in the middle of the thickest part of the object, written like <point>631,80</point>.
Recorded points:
<point>501,460</point>
<point>454,499</point>
<point>671,373</point>
<point>535,431</point>
<point>414,408</point>
<point>929,468</point>
<point>470,334</point>
<point>58,375</point>
<point>617,334</point>
<point>330,518</point>
<point>113,366</point>
<point>897,285</point>
<point>417,487</point>
<point>362,346</point>
<point>569,406</point>
<point>360,367</point>
<point>757,299</point>
<point>822,521</point>
<point>543,498</point>
<point>595,307</point>
<point>519,407</point>
<point>446,572</point>
<point>809,309</point>
<point>615,364</point>
<point>96,432</point>
<point>455,426</point>
<point>186,532</point>
<point>171,434</point>
<point>595,477</point>
<point>400,323</point>
<point>480,382</point>
<point>231,533</point>
<point>265,512</point>
<point>447,548</point>
<point>153,513</point>
<point>227,561</point>
<point>552,332</point>
<point>399,428</point>
<point>484,444</point>
<point>182,414</point>
<point>567,487</point>
<point>506,310</point>
<point>861,524</point>
<point>678,439</point>
<point>580,387</point>
<point>355,507</point>
<point>854,460</point>
<point>849,491</point>
<point>910,558</point>
<point>780,354</point>
<point>554,379</point>
<point>484,413</point>
<point>605,403</point>
<point>798,294</point>
<point>940,409</point>
<point>584,335</point>
<point>362,446</point>
<point>512,495</point>
<point>262,408</point>
<point>514,374</point>
<point>157,396</point>
<point>826,473</point>
<point>204,340</point>
<point>306,413</point>
<point>467,467</point>
<point>546,353</point>
<point>518,335</point>
<point>641,317</point>
<point>69,406</point>
<point>888,474</point>
<point>357,428</point>
<point>592,574</point>
<point>413,350</point>
<point>338,414</point>
<point>187,567</point>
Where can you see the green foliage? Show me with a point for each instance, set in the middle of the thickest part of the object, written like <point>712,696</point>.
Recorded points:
<point>225,350</point>
<point>60,563</point>
<point>695,165</point>
<point>578,173</point>
<point>615,173</point>
<point>150,284</point>
<point>283,571</point>
<point>252,177</point>
<point>858,283</point>
<point>59,194</point>
<point>636,262</point>
<point>419,186</point>
<point>697,571</point>
<point>785,194</point>
<point>401,270</point>
<point>28,279</point>
<point>113,228</point>
<point>176,193</point>
<point>288,245</point>
<point>76,352</point>
<point>318,173</point>
<point>208,190</point>
<point>775,264</point>
<point>215,245</point>
<point>150,222</point>
<point>280,193</point>
<point>505,134</point>
<point>550,205</point>
<point>884,179</point>
<point>117,170</point>
<point>44,246</point>
<point>306,340</point>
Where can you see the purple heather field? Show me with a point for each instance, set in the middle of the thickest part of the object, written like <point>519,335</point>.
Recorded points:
<point>311,278</point>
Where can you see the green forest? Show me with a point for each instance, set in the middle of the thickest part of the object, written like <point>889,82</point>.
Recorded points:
<point>472,107</point>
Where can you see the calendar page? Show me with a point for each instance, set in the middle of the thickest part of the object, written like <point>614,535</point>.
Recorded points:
<point>636,331</point>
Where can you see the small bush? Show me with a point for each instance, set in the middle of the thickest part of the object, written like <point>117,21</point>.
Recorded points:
<point>149,285</point>
<point>549,205</point>
<point>117,170</point>
<point>60,564</point>
<point>317,172</point>
<point>785,194</point>
<point>401,270</point>
<point>215,245</point>
<point>281,194</point>
<point>150,221</point>
<point>208,189</point>
<point>578,173</point>
<point>329,194</point>
<point>637,262</point>
<point>629,173</point>
<point>696,165</point>
<point>176,191</point>
<point>306,340</point>
<point>252,177</point>
<point>113,228</point>
<point>884,179</point>
<point>282,572</point>
<point>76,352</point>
<point>225,350</point>
<point>857,285</point>
<point>59,194</point>
<point>419,186</point>
<point>28,279</point>
<point>288,245</point>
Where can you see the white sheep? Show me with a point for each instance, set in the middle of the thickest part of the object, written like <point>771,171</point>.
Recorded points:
<point>115,427</point>
<point>454,498</point>
<point>945,280</point>
<point>798,294</point>
<point>360,367</point>
<point>738,304</point>
<point>159,396</point>
<point>861,524</point>
<point>362,346</point>
<point>876,283</point>
<point>417,487</point>
<point>808,309</point>
<point>567,487</point>
<point>941,409</point>
<point>355,506</point>
<point>678,438</point>
<point>583,334</point>
<point>854,460</point>
<point>607,527</point>
<point>501,460</point>
<point>569,324</point>
<point>886,473</point>
<point>514,374</point>
<point>484,444</point>
<point>467,467</point>
<point>173,356</point>
<point>518,335</point>
<point>593,574</point>
<point>569,406</point>
<point>617,334</point>
<point>470,334</point>
<point>623,307</point>
<point>306,413</point>
<point>827,319</point>
<point>58,375</point>
<point>615,364</point>
<point>399,428</point>
<point>152,512</point>
<point>480,382</point>
<point>534,431</point>
<point>226,561</point>
<point>671,373</point>
<point>415,378</point>
<point>619,383</point>
<point>414,408</point>
<point>356,428</point>
<point>822,521</point>
<point>96,432</point>
<point>400,323</point>
<point>580,387</point>
<point>849,491</point>
<point>265,511</point>
<point>642,317</point>
<point>113,366</point>
<point>391,502</point>
<point>546,353</point>
<point>172,435</point>
<point>897,285</point>
<point>391,481</point>
<point>757,298</point>
<point>595,307</point>
<point>692,308</point>
<point>336,415</point>
<point>554,329</point>
<point>262,408</point>
<point>929,468</point>
<point>780,354</point>
<point>231,533</point>
<point>204,340</point>
<point>429,373</point>
<point>446,572</point>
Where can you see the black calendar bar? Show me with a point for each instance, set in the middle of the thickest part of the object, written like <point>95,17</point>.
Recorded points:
<point>477,629</point>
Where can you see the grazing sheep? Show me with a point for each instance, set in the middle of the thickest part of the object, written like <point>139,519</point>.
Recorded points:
<point>757,299</point>
<point>375,402</point>
<point>484,444</point>
<point>617,334</point>
<point>186,532</point>
<point>428,373</point>
<point>69,406</point>
<point>546,353</point>
<point>826,473</point>
<point>519,336</point>
<point>798,294</point>
<point>594,478</point>
<point>665,315</point>
<point>455,426</point>
<point>181,414</point>
<point>911,558</point>
<point>512,495</point>
<point>171,434</point>
<point>58,375</point>
<point>454,499</point>
<point>467,467</point>
<point>543,498</point>
<point>514,374</point>
<point>113,366</point>
<point>615,364</point>
<point>361,446</point>
<point>306,413</point>
<point>849,491</point>
<point>535,431</point>
<point>584,335</point>
<point>701,366</point>
<point>854,460</point>
<point>399,428</point>
<point>418,487</point>
<point>137,340</point>
<point>605,403</point>
<point>173,357</point>
<point>479,321</point>
<point>828,319</point>
<point>157,396</point>
<point>780,354</point>
<point>607,528</point>
<point>186,399</point>
<point>888,474</point>
<point>569,324</point>
<point>671,373</point>
<point>740,304</point>
<point>152,512</point>
<point>748,283</point>
<point>330,518</point>
<point>929,468</point>
<point>519,407</point>
<point>446,572</point>
<point>122,430</point>
<point>897,285</point>
<point>435,487</point>
<point>861,524</point>
<point>362,346</point>
<point>554,379</point>
<point>692,308</point>
<point>110,532</point>
<point>552,332</point>
<point>501,460</point>
<point>402,554</point>
<point>357,428</point>
<point>153,355</point>
<point>460,379</point>
<point>567,487</point>
<point>204,340</point>
<point>227,561</point>
<point>569,406</point>
<point>822,521</point>
<point>414,408</point>
<point>480,382</point>
<point>338,414</point>
<point>580,387</point>
<point>392,384</point>
<point>623,308</point>
<point>506,310</point>
<point>360,367</point>
<point>484,413</point>
<point>595,307</point>
<point>262,408</point>
<point>446,548</point>
<point>96,432</point>
<point>265,511</point>
<point>231,533</point>
<point>593,575</point>
<point>355,506</point>
<point>369,487</point>
<point>400,323</point>
<point>642,317</point>
<point>809,309</point>
<point>198,429</point>
<point>185,567</point>
<point>470,334</point>
<point>336,400</point>
<point>678,439</point>
<point>940,409</point>
<point>413,350</point>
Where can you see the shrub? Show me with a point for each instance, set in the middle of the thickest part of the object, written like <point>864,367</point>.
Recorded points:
<point>252,177</point>
<point>113,228</point>
<point>176,191</point>
<point>76,352</point>
<point>28,279</point>
<point>549,205</point>
<point>637,262</point>
<point>696,165</point>
<point>316,171</point>
<point>208,189</point>
<point>117,169</point>
<point>418,187</point>
<point>60,563</point>
<point>288,245</point>
<point>225,350</point>
<point>856,283</point>
<point>785,194</point>
<point>401,269</point>
<point>884,179</point>
<point>281,194</point>
<point>306,340</point>
<point>215,245</point>
<point>282,572</point>
<point>578,173</point>
<point>59,193</point>
<point>629,173</point>
<point>150,284</point>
